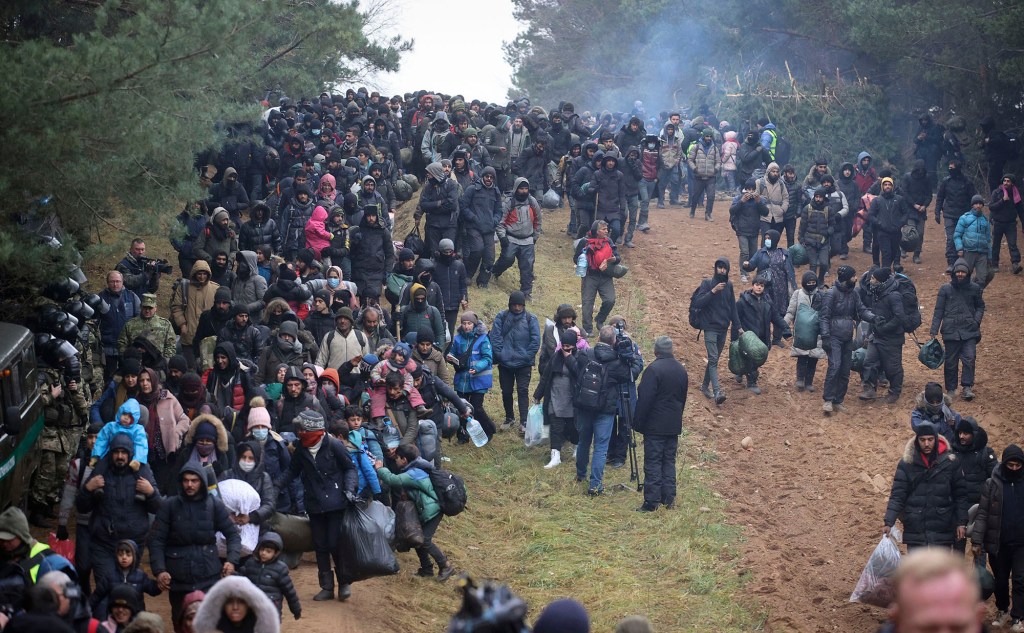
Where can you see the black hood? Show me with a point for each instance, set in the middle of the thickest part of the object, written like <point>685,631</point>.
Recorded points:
<point>980,441</point>
<point>723,262</point>
<point>134,547</point>
<point>196,469</point>
<point>228,349</point>
<point>919,170</point>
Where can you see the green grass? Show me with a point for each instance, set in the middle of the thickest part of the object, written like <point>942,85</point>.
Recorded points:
<point>538,531</point>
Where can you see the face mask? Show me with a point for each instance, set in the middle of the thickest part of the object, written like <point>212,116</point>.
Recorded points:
<point>333,282</point>
<point>246,467</point>
<point>767,243</point>
<point>521,197</point>
<point>309,439</point>
<point>650,146</point>
<point>330,389</point>
<point>205,449</point>
<point>809,288</point>
<point>260,434</point>
<point>243,271</point>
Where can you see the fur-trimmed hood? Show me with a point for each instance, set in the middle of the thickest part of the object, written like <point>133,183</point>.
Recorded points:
<point>212,607</point>
<point>222,433</point>
<point>922,404</point>
<point>910,449</point>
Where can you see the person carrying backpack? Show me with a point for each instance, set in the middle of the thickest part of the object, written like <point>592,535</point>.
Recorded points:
<point>811,295</point>
<point>713,311</point>
<point>599,373</point>
<point>414,478</point>
<point>885,349</point>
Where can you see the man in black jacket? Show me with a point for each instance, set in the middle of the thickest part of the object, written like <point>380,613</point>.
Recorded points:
<point>929,493</point>
<point>439,200</point>
<point>120,501</point>
<point>888,215</point>
<point>885,350</point>
<point>715,302</point>
<point>917,188</point>
<point>479,214</point>
<point>183,546</point>
<point>977,460</point>
<point>959,309</point>
<point>841,309</point>
<point>953,200</point>
<point>661,399</point>
<point>757,315</point>
<point>329,479</point>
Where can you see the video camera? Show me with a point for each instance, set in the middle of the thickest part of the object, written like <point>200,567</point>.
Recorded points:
<point>623,344</point>
<point>158,265</point>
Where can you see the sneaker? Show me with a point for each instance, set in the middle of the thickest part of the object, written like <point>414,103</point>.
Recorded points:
<point>643,228</point>
<point>799,385</point>
<point>739,379</point>
<point>597,491</point>
<point>809,388</point>
<point>507,424</point>
<point>868,393</point>
<point>827,407</point>
<point>952,394</point>
<point>446,573</point>
<point>754,389</point>
<point>917,259</point>
<point>661,206</point>
<point>1002,619</point>
<point>719,398</point>
<point>522,428</point>
<point>891,398</point>
<point>707,392</point>
<point>1017,269</point>
<point>839,407</point>
<point>616,464</point>
<point>967,393</point>
<point>708,218</point>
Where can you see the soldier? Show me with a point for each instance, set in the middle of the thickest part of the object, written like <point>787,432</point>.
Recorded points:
<point>66,413</point>
<point>156,329</point>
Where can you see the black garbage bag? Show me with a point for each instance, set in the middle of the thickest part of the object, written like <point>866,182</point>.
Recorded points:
<point>364,543</point>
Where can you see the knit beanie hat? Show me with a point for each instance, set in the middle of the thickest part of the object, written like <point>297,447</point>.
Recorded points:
<point>845,273</point>
<point>258,414</point>
<point>131,366</point>
<point>881,274</point>
<point>663,346</point>
<point>563,616</point>
<point>933,392</point>
<point>406,255</point>
<point>178,362</point>
<point>286,273</point>
<point>469,315</point>
<point>206,431</point>
<point>310,420</point>
<point>569,337</point>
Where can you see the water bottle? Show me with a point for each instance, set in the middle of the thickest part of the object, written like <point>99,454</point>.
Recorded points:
<point>392,438</point>
<point>476,432</point>
<point>581,264</point>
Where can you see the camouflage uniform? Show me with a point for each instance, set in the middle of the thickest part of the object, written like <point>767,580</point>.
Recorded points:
<point>89,349</point>
<point>156,329</point>
<point>66,417</point>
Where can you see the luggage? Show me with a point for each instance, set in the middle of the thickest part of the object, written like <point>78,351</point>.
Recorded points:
<point>550,199</point>
<point>294,531</point>
<point>738,363</point>
<point>412,181</point>
<point>449,490</point>
<point>403,191</point>
<point>753,348</point>
<point>427,441</point>
<point>408,530</point>
<point>798,254</point>
<point>415,243</point>
<point>910,237</point>
<point>858,356</point>
<point>805,327</point>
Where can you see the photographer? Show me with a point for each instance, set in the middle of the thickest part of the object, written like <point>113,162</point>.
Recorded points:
<point>628,351</point>
<point>599,374</point>
<point>141,274</point>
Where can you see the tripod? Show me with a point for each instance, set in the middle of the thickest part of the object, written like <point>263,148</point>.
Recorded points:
<point>626,417</point>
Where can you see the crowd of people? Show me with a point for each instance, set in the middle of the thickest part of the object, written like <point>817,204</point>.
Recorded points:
<point>276,364</point>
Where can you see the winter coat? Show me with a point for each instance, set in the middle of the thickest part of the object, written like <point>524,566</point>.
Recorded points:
<point>134,576</point>
<point>841,310</point>
<point>945,420</point>
<point>193,223</point>
<point>260,230</point>
<point>617,372</point>
<point>888,213</point>
<point>260,482</point>
<point>1001,211</point>
<point>977,461</point>
<point>776,263</point>
<point>953,198</point>
<point>887,304</point>
<point>631,173</point>
<point>272,578</point>
<point>122,308</point>
<point>214,239</point>
<point>930,499</point>
<point>429,318</point>
<point>553,370</point>
<point>717,311</point>
<point>582,190</point>
<point>916,187</point>
<point>750,158</point>
<point>534,167</point>
<point>704,160</point>
<point>117,514</point>
<point>996,493</point>
<point>451,277</point>
<point>373,255</point>
<point>661,398</point>
<point>816,225</point>
<point>973,233</point>
<point>959,309</point>
<point>317,235</point>
<point>293,224</point>
<point>188,306</point>
<point>415,480</point>
<point>440,202</point>
<point>520,221</point>
<point>480,208</point>
<point>745,216</point>
<point>626,137</point>
<point>250,291</point>
<point>798,298</point>
<point>796,199</point>
<point>325,477</point>
<point>481,359</point>
<point>758,316</point>
<point>336,351</point>
<point>263,617</point>
<point>775,196</point>
<point>515,339</point>
<point>183,542</point>
<point>864,177</point>
<point>610,187</point>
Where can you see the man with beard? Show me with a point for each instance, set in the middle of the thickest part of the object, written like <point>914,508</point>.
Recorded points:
<point>368,196</point>
<point>421,315</point>
<point>929,493</point>
<point>959,310</point>
<point>260,230</point>
<point>120,501</point>
<point>561,137</point>
<point>705,161</point>
<point>216,237</point>
<point>885,349</point>
<point>1005,206</point>
<point>888,215</point>
<point>846,184</point>
<point>532,164</point>
<point>243,335</point>
<point>774,194</point>
<point>515,339</point>
<point>343,347</point>
<point>439,201</point>
<point>156,329</point>
<point>583,190</point>
<point>212,321</point>
<point>189,299</point>
<point>221,272</point>
<point>518,232</point>
<point>751,156</point>
<point>230,195</point>
<point>248,286</point>
<point>372,253</point>
<point>450,275</point>
<point>952,201</point>
<point>977,460</point>
<point>715,303</point>
<point>610,187</point>
<point>841,310</point>
<point>480,212</point>
<point>918,191</point>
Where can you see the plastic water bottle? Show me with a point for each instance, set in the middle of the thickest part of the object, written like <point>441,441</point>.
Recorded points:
<point>581,265</point>
<point>476,432</point>
<point>392,438</point>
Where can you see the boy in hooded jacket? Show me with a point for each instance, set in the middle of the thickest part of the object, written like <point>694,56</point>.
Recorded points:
<point>266,570</point>
<point>126,422</point>
<point>128,572</point>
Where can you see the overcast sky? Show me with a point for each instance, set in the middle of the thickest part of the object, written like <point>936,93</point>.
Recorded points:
<point>458,48</point>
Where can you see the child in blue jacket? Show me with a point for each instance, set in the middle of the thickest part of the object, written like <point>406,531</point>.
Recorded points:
<point>126,421</point>
<point>361,458</point>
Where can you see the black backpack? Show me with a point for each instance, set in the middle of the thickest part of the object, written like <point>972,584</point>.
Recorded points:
<point>694,310</point>
<point>783,149</point>
<point>449,490</point>
<point>911,306</point>
<point>590,389</point>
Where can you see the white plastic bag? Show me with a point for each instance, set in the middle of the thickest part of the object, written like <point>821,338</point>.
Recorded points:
<point>876,586</point>
<point>239,498</point>
<point>534,435</point>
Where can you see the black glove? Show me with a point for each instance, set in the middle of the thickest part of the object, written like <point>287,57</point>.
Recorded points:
<point>938,219</point>
<point>351,496</point>
<point>62,533</point>
<point>504,243</point>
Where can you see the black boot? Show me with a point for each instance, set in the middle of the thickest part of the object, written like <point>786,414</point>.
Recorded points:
<point>326,587</point>
<point>344,591</point>
<point>37,515</point>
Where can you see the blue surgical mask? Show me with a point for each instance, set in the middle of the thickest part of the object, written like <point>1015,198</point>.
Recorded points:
<point>333,282</point>
<point>767,243</point>
<point>260,433</point>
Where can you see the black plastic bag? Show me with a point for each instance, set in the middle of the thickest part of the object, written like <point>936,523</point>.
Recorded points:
<point>415,243</point>
<point>364,543</point>
<point>931,354</point>
<point>408,531</point>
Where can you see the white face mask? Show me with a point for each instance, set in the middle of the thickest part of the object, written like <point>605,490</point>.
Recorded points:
<point>246,467</point>
<point>767,243</point>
